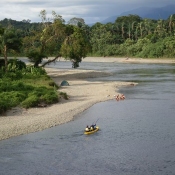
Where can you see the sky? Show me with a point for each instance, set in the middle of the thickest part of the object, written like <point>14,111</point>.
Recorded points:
<point>91,11</point>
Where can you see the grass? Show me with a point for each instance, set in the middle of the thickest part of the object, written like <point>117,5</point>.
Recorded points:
<point>26,88</point>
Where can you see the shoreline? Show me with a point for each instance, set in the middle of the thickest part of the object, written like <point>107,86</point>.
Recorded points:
<point>83,94</point>
<point>126,60</point>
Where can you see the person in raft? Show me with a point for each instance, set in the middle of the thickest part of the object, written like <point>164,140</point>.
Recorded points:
<point>87,128</point>
<point>93,127</point>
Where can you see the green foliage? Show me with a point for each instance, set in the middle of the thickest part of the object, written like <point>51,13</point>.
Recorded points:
<point>31,101</point>
<point>40,95</point>
<point>75,47</point>
<point>27,88</point>
<point>10,39</point>
<point>50,97</point>
<point>128,19</point>
<point>169,49</point>
<point>36,57</point>
<point>7,85</point>
<point>31,71</point>
<point>9,42</point>
<point>64,95</point>
<point>125,37</point>
<point>152,51</point>
<point>15,64</point>
<point>53,84</point>
<point>101,38</point>
<point>10,99</point>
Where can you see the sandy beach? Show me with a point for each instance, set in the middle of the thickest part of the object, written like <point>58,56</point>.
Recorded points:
<point>82,95</point>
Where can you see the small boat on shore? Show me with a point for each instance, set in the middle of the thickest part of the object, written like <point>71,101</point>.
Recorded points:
<point>92,131</point>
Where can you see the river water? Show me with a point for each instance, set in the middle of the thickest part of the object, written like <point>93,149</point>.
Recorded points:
<point>136,136</point>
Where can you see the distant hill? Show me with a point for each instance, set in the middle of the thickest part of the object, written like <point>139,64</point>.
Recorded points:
<point>146,12</point>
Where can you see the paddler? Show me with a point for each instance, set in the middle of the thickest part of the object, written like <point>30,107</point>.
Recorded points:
<point>87,128</point>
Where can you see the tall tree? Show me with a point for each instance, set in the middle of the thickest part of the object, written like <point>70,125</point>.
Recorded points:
<point>9,41</point>
<point>75,47</point>
<point>47,40</point>
<point>76,21</point>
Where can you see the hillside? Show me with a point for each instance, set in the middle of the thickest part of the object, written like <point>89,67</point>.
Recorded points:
<point>146,12</point>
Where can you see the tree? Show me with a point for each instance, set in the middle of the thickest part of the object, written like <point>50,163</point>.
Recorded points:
<point>128,19</point>
<point>46,41</point>
<point>75,47</point>
<point>171,23</point>
<point>76,21</point>
<point>9,41</point>
<point>36,57</point>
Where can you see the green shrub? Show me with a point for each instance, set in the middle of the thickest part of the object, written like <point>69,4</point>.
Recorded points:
<point>35,70</point>
<point>8,85</point>
<point>15,64</point>
<point>10,99</point>
<point>28,87</point>
<point>50,98</point>
<point>38,91</point>
<point>64,95</point>
<point>53,84</point>
<point>3,106</point>
<point>31,101</point>
<point>13,75</point>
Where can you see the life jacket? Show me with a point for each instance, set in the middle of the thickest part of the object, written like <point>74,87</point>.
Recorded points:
<point>86,129</point>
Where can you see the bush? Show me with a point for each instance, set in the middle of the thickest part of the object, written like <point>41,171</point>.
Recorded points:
<point>15,64</point>
<point>50,98</point>
<point>10,99</point>
<point>3,106</point>
<point>28,87</point>
<point>35,70</point>
<point>64,95</point>
<point>13,75</point>
<point>8,85</point>
<point>39,91</point>
<point>31,101</point>
<point>53,84</point>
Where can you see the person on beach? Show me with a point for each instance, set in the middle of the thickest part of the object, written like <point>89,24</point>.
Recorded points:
<point>117,97</point>
<point>122,97</point>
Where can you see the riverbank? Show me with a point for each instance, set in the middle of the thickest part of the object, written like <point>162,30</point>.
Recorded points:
<point>127,60</point>
<point>82,95</point>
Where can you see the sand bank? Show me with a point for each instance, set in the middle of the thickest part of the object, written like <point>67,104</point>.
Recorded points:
<point>83,94</point>
<point>127,60</point>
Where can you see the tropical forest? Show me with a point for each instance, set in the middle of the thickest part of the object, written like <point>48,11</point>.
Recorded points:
<point>28,85</point>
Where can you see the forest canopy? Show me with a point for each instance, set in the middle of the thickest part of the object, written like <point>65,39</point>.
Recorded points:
<point>128,36</point>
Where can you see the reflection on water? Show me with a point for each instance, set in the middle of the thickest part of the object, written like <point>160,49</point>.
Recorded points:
<point>136,136</point>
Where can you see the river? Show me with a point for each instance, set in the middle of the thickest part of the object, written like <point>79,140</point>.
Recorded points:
<point>136,136</point>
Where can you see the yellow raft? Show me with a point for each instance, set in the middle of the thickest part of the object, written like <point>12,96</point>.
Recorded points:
<point>91,132</point>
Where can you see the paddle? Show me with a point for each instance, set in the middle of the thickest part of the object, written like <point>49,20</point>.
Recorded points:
<point>95,122</point>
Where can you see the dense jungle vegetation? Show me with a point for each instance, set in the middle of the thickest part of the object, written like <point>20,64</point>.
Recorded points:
<point>129,36</point>
<point>26,86</point>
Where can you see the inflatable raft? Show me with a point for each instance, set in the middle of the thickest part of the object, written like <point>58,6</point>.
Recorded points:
<point>92,131</point>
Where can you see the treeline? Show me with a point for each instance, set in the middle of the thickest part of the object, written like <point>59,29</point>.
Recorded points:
<point>51,37</point>
<point>129,36</point>
<point>135,37</point>
<point>28,86</point>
